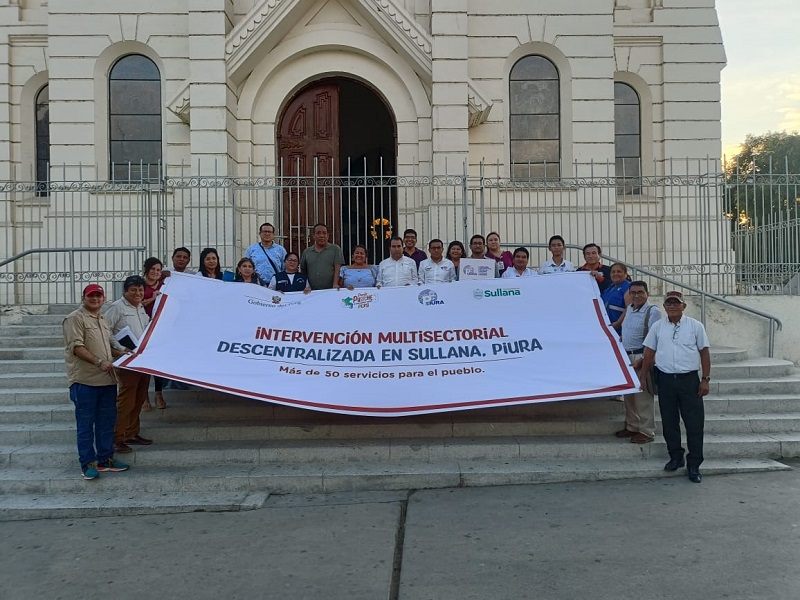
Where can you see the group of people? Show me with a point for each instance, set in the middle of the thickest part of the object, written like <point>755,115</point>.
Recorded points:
<point>667,353</point>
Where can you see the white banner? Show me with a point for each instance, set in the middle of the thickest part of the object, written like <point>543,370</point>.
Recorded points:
<point>389,351</point>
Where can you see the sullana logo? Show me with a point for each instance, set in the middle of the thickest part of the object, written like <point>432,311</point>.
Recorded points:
<point>495,293</point>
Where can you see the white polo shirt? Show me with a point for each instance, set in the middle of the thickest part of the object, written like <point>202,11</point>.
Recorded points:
<point>549,266</point>
<point>511,272</point>
<point>432,272</point>
<point>677,345</point>
<point>393,272</point>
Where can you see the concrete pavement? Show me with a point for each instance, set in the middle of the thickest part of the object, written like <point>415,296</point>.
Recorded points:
<point>733,536</point>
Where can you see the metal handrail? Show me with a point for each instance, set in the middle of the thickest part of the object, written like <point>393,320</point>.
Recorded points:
<point>774,322</point>
<point>71,251</point>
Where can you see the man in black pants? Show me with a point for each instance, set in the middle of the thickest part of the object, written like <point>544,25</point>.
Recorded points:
<point>678,346</point>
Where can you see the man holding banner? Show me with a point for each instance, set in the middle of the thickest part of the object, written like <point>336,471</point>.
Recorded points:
<point>398,269</point>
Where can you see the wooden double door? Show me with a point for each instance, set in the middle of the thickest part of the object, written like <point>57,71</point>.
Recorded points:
<point>319,185</point>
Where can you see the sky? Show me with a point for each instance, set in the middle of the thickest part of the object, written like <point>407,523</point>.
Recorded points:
<point>761,84</point>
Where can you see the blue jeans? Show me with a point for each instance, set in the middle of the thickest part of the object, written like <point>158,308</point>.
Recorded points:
<point>95,417</point>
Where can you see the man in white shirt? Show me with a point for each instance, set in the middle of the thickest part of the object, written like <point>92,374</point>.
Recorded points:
<point>520,267</point>
<point>436,269</point>
<point>268,257</point>
<point>398,269</point>
<point>678,346</point>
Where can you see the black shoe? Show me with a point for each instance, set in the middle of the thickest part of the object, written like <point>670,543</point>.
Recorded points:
<point>674,464</point>
<point>694,474</point>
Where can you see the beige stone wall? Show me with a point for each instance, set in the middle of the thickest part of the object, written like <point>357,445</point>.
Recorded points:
<point>671,54</point>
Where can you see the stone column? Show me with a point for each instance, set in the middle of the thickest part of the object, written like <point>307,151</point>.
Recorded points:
<point>212,100</point>
<point>5,110</point>
<point>450,110</point>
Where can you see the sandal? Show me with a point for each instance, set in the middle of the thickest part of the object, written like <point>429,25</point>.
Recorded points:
<point>147,407</point>
<point>160,402</point>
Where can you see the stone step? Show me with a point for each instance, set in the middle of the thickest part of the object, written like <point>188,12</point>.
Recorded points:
<point>10,354</point>
<point>32,320</point>
<point>197,408</point>
<point>402,450</point>
<point>22,331</point>
<point>19,507</point>
<point>183,408</point>
<point>789,384</point>
<point>61,493</point>
<point>26,380</point>
<point>752,367</point>
<point>63,431</point>
<point>32,341</point>
<point>726,354</point>
<point>39,365</point>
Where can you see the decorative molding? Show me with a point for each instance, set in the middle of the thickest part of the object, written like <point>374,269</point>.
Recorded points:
<point>406,22</point>
<point>260,16</point>
<point>638,40</point>
<point>180,104</point>
<point>35,40</point>
<point>478,104</point>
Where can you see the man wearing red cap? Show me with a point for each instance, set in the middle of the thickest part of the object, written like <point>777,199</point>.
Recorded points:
<point>92,385</point>
<point>678,346</point>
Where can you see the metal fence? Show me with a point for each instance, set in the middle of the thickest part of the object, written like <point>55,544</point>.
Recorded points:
<point>699,229</point>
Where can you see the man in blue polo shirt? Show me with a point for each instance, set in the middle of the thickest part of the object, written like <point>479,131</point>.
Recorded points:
<point>268,257</point>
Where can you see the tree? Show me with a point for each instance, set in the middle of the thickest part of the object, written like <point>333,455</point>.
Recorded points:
<point>762,198</point>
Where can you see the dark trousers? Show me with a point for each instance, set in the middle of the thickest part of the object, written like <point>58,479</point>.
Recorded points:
<point>95,415</point>
<point>678,399</point>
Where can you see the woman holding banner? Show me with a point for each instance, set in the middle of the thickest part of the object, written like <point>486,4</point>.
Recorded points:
<point>246,272</point>
<point>615,296</point>
<point>359,273</point>
<point>290,279</point>
<point>153,282</point>
<point>209,264</point>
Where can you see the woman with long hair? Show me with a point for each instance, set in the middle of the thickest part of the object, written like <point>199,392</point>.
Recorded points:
<point>209,264</point>
<point>246,272</point>
<point>153,282</point>
<point>455,252</point>
<point>504,258</point>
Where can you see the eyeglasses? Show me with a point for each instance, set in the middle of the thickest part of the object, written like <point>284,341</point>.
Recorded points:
<point>265,231</point>
<point>291,260</point>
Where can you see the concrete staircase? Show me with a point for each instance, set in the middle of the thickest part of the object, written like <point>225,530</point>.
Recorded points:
<point>218,452</point>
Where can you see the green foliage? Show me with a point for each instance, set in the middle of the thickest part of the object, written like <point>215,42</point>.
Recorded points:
<point>771,152</point>
<point>762,182</point>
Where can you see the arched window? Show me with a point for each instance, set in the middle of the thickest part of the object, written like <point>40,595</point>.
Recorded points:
<point>627,131</point>
<point>535,118</point>
<point>134,119</point>
<point>42,140</point>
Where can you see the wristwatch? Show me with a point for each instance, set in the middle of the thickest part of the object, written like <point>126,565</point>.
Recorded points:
<point>98,362</point>
<point>706,378</point>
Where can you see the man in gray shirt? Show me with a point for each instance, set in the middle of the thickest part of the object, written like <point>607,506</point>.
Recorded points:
<point>133,386</point>
<point>640,408</point>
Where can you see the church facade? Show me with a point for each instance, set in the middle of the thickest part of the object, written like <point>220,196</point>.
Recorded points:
<point>105,90</point>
